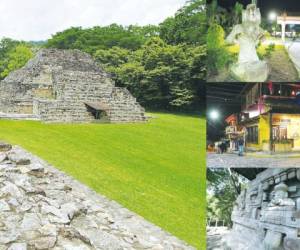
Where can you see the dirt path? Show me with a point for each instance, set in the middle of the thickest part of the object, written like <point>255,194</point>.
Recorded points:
<point>282,68</point>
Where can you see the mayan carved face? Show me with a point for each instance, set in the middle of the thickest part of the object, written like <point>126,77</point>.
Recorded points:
<point>280,197</point>
<point>280,194</point>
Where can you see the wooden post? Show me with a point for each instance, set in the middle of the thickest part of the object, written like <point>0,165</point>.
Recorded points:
<point>271,133</point>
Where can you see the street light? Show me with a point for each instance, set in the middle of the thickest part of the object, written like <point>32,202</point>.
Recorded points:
<point>214,114</point>
<point>272,16</point>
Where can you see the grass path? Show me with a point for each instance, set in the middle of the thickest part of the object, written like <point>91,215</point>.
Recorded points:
<point>156,169</point>
<point>282,68</point>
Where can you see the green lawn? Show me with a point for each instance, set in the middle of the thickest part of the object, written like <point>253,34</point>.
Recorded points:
<point>156,169</point>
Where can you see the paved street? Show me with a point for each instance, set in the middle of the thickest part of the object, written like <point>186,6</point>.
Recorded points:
<point>251,161</point>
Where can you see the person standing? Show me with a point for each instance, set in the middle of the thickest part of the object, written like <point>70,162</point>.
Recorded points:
<point>241,146</point>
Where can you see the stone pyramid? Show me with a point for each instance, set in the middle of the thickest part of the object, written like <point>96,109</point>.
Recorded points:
<point>66,86</point>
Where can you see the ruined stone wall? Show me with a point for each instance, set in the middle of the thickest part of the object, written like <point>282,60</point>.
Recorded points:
<point>56,85</point>
<point>43,208</point>
<point>266,215</point>
<point>123,107</point>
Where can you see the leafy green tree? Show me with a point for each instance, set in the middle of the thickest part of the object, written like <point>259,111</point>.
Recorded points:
<point>113,57</point>
<point>13,55</point>
<point>92,39</point>
<point>65,39</point>
<point>223,187</point>
<point>216,14</point>
<point>158,74</point>
<point>188,25</point>
<point>6,45</point>
<point>17,58</point>
<point>163,66</point>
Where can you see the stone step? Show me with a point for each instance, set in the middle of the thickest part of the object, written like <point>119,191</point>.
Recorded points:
<point>28,117</point>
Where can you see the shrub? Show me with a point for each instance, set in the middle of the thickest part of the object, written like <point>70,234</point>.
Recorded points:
<point>270,49</point>
<point>218,59</point>
<point>218,56</point>
<point>215,37</point>
<point>265,51</point>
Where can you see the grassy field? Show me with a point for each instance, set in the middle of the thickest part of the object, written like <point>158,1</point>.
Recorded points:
<point>155,169</point>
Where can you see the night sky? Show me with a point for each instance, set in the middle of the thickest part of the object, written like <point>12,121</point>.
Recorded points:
<point>223,98</point>
<point>266,5</point>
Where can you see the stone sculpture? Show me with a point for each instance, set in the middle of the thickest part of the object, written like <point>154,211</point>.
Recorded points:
<point>266,215</point>
<point>248,34</point>
<point>281,197</point>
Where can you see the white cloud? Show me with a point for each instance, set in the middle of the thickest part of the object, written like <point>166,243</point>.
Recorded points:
<point>38,19</point>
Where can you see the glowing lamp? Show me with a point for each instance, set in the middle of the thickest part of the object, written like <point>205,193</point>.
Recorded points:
<point>272,16</point>
<point>214,115</point>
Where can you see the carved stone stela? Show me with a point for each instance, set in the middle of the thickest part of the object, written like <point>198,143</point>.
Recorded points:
<point>266,214</point>
<point>66,86</point>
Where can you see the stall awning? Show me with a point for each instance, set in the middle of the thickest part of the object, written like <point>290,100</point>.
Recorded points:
<point>99,106</point>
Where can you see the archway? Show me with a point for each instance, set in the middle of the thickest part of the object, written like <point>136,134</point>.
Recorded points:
<point>285,20</point>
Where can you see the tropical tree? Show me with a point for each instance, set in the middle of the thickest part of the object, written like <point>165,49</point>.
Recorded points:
<point>223,187</point>
<point>187,26</point>
<point>17,58</point>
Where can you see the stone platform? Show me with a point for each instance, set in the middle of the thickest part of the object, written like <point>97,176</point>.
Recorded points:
<point>43,208</point>
<point>26,117</point>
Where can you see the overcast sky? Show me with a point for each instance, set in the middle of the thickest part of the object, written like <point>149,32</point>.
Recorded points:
<point>38,19</point>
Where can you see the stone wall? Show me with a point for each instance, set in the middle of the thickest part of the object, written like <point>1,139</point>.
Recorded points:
<point>56,85</point>
<point>266,215</point>
<point>43,208</point>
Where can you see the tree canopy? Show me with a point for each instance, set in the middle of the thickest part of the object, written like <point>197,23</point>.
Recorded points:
<point>163,66</point>
<point>13,55</point>
<point>223,187</point>
<point>159,75</point>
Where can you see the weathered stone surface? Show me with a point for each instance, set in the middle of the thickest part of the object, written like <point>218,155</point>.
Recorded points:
<point>50,210</point>
<point>3,157</point>
<point>65,86</point>
<point>250,71</point>
<point>266,214</point>
<point>4,147</point>
<point>4,206</point>
<point>18,246</point>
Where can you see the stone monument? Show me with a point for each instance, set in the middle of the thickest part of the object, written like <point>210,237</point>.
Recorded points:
<point>66,86</point>
<point>266,215</point>
<point>248,34</point>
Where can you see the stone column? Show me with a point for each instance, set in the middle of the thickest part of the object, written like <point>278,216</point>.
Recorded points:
<point>283,32</point>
